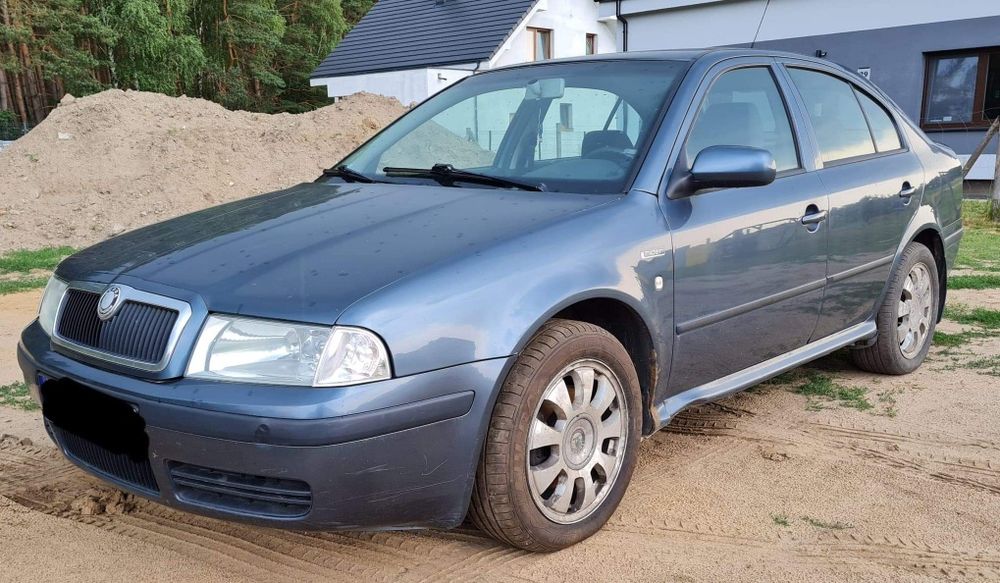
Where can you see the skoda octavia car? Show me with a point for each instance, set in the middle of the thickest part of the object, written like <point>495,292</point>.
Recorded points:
<point>483,310</point>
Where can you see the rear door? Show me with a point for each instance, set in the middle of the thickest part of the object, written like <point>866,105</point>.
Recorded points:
<point>749,263</point>
<point>875,183</point>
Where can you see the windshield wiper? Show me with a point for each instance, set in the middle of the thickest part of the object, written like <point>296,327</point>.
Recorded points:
<point>347,174</point>
<point>447,175</point>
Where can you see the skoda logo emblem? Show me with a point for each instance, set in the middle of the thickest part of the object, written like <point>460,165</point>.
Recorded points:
<point>109,302</point>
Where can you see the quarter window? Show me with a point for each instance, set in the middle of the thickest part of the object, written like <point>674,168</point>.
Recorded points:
<point>837,119</point>
<point>883,128</point>
<point>745,108</point>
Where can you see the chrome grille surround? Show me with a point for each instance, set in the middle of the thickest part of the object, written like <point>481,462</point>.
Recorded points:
<point>128,294</point>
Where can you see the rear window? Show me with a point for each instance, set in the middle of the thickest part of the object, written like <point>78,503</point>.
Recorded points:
<point>837,119</point>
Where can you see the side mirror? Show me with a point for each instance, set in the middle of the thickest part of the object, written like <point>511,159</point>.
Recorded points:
<point>733,167</point>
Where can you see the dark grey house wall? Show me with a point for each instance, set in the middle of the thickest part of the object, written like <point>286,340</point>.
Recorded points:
<point>896,58</point>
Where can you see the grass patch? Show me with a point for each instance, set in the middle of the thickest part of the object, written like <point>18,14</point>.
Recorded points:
<point>25,261</point>
<point>980,248</point>
<point>820,385</point>
<point>827,525</point>
<point>975,215</point>
<point>974,282</point>
<point>14,286</point>
<point>989,365</point>
<point>888,401</point>
<point>781,519</point>
<point>16,395</point>
<point>19,269</point>
<point>982,317</point>
<point>946,340</point>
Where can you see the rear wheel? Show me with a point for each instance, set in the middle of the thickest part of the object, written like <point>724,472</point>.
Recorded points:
<point>562,440</point>
<point>907,317</point>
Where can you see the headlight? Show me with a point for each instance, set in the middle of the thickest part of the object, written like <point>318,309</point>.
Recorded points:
<point>49,307</point>
<point>282,353</point>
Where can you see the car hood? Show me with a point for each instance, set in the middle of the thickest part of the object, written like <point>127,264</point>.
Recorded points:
<point>309,252</point>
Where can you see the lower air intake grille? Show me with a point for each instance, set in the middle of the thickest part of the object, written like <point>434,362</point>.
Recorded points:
<point>138,331</point>
<point>240,493</point>
<point>121,466</point>
<point>103,433</point>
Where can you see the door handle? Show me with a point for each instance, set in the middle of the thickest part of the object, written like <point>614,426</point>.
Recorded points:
<point>813,217</point>
<point>907,191</point>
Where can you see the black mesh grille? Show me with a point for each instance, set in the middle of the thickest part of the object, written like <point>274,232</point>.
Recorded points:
<point>121,466</point>
<point>137,332</point>
<point>240,493</point>
<point>103,433</point>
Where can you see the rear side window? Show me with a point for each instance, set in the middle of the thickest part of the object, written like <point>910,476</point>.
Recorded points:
<point>836,115</point>
<point>744,108</point>
<point>883,128</point>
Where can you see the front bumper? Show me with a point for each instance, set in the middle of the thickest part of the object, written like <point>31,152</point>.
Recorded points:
<point>400,453</point>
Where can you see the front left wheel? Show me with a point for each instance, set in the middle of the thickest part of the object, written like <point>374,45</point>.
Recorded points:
<point>562,442</point>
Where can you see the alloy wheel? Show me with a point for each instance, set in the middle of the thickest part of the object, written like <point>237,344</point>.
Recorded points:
<point>576,441</point>
<point>914,312</point>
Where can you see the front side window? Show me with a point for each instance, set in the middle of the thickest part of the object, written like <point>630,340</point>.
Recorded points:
<point>837,119</point>
<point>745,108</point>
<point>570,127</point>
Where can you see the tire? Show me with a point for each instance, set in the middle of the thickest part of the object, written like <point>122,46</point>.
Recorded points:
<point>507,501</point>
<point>893,353</point>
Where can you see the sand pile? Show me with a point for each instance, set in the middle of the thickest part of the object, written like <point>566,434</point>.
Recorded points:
<point>115,161</point>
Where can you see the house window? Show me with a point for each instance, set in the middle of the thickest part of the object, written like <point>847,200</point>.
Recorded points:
<point>962,90</point>
<point>541,42</point>
<point>591,44</point>
<point>566,116</point>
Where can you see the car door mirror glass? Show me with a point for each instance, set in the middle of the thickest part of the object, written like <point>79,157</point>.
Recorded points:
<point>733,167</point>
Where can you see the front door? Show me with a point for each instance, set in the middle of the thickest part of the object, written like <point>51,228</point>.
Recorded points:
<point>749,263</point>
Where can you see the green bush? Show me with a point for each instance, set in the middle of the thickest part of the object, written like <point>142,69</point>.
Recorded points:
<point>10,127</point>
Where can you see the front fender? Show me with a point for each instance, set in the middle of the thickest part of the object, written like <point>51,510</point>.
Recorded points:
<point>489,304</point>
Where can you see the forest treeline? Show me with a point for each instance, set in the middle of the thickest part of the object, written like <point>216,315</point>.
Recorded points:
<point>244,54</point>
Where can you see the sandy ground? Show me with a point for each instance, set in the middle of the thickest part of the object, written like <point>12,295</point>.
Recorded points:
<point>909,491</point>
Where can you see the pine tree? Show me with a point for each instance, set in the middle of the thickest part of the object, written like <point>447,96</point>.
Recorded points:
<point>355,10</point>
<point>313,28</point>
<point>245,54</point>
<point>153,48</point>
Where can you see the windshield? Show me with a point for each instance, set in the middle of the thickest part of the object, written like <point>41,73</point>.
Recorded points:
<point>570,127</point>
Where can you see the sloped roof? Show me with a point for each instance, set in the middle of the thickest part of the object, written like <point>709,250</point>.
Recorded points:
<point>411,34</point>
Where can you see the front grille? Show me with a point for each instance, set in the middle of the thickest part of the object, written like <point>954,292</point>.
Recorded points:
<point>137,332</point>
<point>240,493</point>
<point>103,433</point>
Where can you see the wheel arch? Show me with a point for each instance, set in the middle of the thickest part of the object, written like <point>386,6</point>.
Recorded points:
<point>930,237</point>
<point>925,229</point>
<point>620,315</point>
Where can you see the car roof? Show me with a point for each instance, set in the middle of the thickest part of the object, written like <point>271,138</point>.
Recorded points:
<point>711,54</point>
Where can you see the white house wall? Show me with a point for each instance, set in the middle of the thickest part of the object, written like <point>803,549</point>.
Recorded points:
<point>408,87</point>
<point>674,24</point>
<point>570,20</point>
